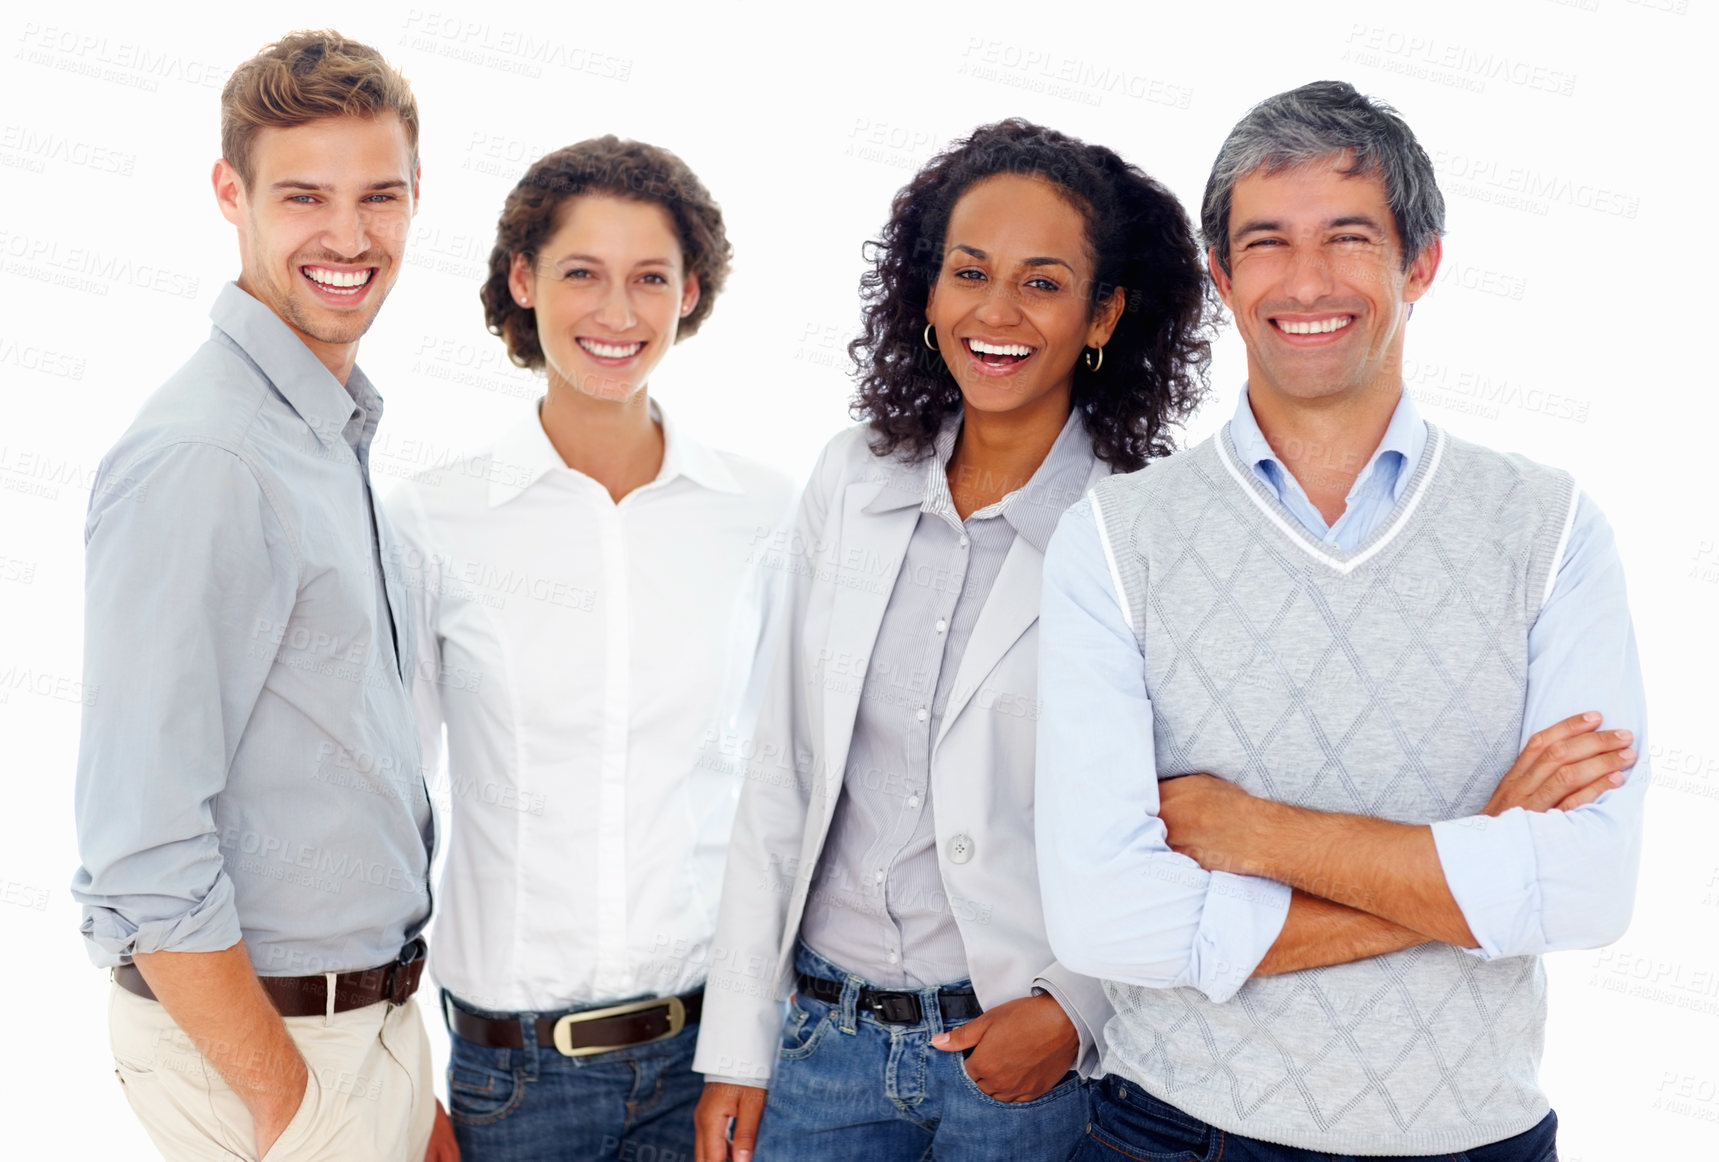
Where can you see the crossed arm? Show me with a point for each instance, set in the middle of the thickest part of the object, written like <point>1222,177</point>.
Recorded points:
<point>1193,882</point>
<point>1364,886</point>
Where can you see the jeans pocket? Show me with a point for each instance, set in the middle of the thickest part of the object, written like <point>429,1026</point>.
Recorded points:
<point>802,1029</point>
<point>1070,1083</point>
<point>479,1092</point>
<point>1538,1143</point>
<point>1139,1125</point>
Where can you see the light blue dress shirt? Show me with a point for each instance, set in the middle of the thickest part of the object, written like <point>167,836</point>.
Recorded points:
<point>1128,908</point>
<point>249,758</point>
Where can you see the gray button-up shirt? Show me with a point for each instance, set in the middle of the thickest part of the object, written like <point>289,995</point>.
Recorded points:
<point>878,907</point>
<point>249,761</point>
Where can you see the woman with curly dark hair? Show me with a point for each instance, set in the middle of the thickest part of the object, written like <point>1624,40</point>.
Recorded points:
<point>588,617</point>
<point>1036,317</point>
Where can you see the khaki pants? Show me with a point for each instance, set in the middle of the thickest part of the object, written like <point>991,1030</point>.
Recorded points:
<point>369,1098</point>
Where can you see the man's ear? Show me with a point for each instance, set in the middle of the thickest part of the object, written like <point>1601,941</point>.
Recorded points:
<point>229,192</point>
<point>1423,270</point>
<point>1220,277</point>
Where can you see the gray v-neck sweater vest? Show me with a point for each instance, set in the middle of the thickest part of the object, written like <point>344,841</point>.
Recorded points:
<point>1387,681</point>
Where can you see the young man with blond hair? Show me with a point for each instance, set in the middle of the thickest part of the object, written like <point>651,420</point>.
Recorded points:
<point>255,831</point>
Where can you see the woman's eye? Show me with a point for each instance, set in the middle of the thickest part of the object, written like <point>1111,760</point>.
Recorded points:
<point>658,279</point>
<point>969,275</point>
<point>577,272</point>
<point>1043,284</point>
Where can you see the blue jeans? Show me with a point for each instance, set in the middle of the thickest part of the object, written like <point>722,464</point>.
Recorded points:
<point>1129,1123</point>
<point>849,1088</point>
<point>534,1105</point>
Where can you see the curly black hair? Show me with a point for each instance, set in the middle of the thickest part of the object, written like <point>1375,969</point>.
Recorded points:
<point>1154,371</point>
<point>621,169</point>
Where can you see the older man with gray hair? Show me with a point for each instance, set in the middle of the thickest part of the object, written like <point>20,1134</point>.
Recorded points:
<point>1321,770</point>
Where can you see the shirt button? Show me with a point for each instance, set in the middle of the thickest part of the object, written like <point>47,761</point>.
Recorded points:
<point>960,849</point>
<point>879,876</point>
<point>922,714</point>
<point>893,958</point>
<point>913,800</point>
<point>942,625</point>
<point>964,541</point>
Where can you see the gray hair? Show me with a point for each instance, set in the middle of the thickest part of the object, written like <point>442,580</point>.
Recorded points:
<point>1311,124</point>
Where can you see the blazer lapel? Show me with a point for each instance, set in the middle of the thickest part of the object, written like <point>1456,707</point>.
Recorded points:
<point>872,547</point>
<point>1010,610</point>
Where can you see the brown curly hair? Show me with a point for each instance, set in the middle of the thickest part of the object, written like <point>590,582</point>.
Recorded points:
<point>1154,373</point>
<point>621,169</point>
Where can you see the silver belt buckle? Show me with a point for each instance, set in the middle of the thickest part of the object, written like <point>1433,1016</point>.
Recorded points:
<point>564,1026</point>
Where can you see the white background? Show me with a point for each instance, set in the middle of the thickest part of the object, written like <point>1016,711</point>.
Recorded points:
<point>1569,138</point>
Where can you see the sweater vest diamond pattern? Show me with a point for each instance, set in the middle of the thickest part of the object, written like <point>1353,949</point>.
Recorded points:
<point>1387,681</point>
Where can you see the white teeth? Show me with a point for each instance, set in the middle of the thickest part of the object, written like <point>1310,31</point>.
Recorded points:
<point>1323,326</point>
<point>338,279</point>
<point>611,350</point>
<point>980,347</point>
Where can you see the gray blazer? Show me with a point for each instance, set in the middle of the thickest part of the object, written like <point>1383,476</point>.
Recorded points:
<point>841,562</point>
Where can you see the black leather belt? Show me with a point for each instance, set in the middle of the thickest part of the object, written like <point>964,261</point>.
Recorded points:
<point>894,1007</point>
<point>307,996</point>
<point>582,1032</point>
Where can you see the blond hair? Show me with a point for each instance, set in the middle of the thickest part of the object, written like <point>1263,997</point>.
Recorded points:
<point>305,76</point>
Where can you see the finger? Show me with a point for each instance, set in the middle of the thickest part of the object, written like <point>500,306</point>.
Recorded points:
<point>1605,778</point>
<point>1574,774</point>
<point>1541,741</point>
<point>1568,728</point>
<point>1526,783</point>
<point>710,1124</point>
<point>1585,795</point>
<point>1585,767</point>
<point>746,1125</point>
<point>962,1036</point>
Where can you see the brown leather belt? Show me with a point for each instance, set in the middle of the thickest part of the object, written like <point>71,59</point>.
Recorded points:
<point>307,996</point>
<point>582,1032</point>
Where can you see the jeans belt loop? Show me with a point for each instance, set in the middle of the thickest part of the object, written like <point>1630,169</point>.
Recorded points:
<point>850,1005</point>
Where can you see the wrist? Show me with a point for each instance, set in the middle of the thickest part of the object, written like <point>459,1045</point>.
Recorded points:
<point>1257,845</point>
<point>275,1093</point>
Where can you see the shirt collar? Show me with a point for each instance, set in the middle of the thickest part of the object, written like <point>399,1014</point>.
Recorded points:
<point>523,456</point>
<point>308,387</point>
<point>1405,435</point>
<point>1032,511</point>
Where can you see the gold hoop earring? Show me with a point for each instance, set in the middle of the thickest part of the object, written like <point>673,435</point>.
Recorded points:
<point>927,337</point>
<point>1086,357</point>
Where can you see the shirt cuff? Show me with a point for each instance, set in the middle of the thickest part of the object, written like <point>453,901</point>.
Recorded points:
<point>719,1079</point>
<point>1242,918</point>
<point>1086,1057</point>
<point>211,925</point>
<point>1488,864</point>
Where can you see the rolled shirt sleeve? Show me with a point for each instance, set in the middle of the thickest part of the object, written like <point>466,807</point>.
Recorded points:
<point>187,570</point>
<point>1530,882</point>
<point>1119,904</point>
